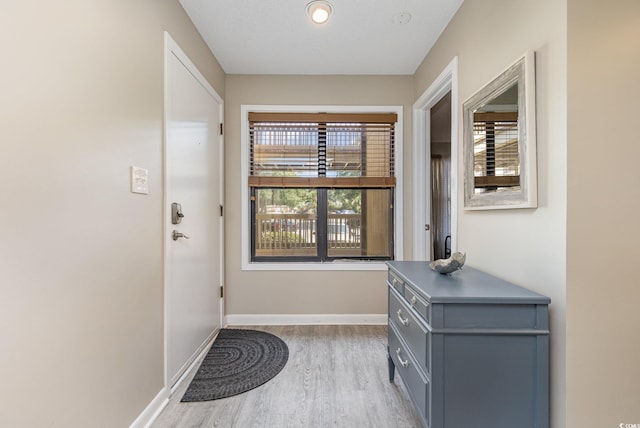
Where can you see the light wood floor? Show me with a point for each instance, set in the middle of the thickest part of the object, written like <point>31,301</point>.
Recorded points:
<point>336,376</point>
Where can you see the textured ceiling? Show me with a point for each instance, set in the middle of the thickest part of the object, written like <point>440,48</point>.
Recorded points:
<point>361,37</point>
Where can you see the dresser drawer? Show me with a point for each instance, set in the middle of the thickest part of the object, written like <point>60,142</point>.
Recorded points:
<point>396,283</point>
<point>494,316</point>
<point>416,383</point>
<point>410,328</point>
<point>417,303</point>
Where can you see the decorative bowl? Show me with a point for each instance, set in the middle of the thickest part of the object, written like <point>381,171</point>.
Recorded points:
<point>452,264</point>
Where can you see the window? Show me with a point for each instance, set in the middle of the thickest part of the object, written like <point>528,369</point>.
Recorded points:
<point>321,186</point>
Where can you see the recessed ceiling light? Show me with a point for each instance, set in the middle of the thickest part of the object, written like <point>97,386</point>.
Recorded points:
<point>319,11</point>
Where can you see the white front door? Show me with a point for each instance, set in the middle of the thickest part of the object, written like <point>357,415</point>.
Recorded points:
<point>193,167</point>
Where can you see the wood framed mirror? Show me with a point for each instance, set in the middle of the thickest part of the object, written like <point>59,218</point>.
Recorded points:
<point>499,129</point>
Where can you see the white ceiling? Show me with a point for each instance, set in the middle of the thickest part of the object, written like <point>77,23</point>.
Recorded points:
<point>277,36</point>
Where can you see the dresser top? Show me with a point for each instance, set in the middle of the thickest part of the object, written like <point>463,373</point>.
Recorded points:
<point>468,285</point>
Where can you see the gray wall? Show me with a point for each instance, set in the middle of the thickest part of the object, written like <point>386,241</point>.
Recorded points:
<point>603,319</point>
<point>81,325</point>
<point>527,247</point>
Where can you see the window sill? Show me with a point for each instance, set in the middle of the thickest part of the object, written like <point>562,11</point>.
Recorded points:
<point>317,266</point>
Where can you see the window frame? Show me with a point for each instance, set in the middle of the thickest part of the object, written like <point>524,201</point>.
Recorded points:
<point>247,264</point>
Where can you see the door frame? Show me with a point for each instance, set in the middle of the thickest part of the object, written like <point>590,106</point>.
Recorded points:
<point>172,48</point>
<point>445,82</point>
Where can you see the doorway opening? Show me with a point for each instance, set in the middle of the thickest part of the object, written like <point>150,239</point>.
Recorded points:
<point>435,167</point>
<point>441,178</point>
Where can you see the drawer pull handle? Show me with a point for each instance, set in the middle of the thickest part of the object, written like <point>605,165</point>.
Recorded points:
<point>404,363</point>
<point>414,300</point>
<point>403,321</point>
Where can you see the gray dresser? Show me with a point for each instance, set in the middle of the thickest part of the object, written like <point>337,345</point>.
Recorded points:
<point>472,349</point>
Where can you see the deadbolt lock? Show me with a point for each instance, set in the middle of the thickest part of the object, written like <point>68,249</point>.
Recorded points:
<point>176,213</point>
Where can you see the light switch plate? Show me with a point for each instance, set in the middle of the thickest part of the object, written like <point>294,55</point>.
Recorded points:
<point>139,180</point>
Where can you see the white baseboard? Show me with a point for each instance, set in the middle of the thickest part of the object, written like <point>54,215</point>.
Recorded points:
<point>305,319</point>
<point>153,410</point>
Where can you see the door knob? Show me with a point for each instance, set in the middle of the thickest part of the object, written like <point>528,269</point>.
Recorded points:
<point>175,235</point>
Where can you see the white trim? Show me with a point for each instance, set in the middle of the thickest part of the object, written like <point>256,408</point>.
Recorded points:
<point>221,164</point>
<point>172,48</point>
<point>169,45</point>
<point>151,412</point>
<point>244,183</point>
<point>445,82</point>
<point>327,266</point>
<point>306,319</point>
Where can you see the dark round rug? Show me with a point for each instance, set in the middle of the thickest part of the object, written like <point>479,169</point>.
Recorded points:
<point>238,361</point>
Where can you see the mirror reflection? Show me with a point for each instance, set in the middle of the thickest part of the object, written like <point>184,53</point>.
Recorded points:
<point>496,159</point>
